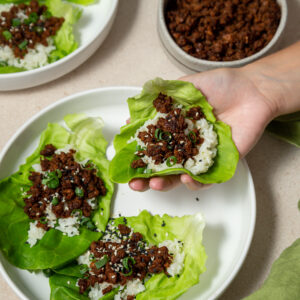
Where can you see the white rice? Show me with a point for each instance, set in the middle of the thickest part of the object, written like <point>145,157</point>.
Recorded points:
<point>132,288</point>
<point>96,291</point>
<point>35,233</point>
<point>196,165</point>
<point>68,226</point>
<point>35,58</point>
<point>84,259</point>
<point>5,7</point>
<point>175,248</point>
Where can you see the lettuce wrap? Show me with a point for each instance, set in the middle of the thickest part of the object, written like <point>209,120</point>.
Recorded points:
<point>84,134</point>
<point>64,40</point>
<point>141,109</point>
<point>187,229</point>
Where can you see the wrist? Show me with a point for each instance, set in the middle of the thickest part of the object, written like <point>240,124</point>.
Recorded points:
<point>271,89</point>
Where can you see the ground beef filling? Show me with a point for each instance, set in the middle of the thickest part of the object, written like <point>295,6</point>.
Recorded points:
<point>63,183</point>
<point>222,30</point>
<point>24,26</point>
<point>167,140</point>
<point>118,262</point>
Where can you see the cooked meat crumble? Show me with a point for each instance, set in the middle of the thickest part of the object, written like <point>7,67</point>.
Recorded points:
<point>222,30</point>
<point>123,256</point>
<point>170,140</point>
<point>64,185</point>
<point>24,26</point>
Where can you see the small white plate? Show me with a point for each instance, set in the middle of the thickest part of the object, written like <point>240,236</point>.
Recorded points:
<point>229,208</point>
<point>90,31</point>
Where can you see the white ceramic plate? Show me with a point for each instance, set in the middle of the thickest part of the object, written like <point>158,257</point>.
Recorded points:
<point>90,31</point>
<point>229,208</point>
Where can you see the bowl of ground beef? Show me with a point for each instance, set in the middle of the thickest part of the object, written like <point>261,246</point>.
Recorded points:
<point>208,34</point>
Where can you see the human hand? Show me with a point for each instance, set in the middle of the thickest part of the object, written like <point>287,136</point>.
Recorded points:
<point>237,101</point>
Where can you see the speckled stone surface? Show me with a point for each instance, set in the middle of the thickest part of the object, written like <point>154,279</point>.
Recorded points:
<point>131,55</point>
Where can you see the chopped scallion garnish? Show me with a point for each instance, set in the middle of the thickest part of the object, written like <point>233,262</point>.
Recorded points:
<point>101,262</point>
<point>7,35</point>
<point>171,161</point>
<point>23,45</point>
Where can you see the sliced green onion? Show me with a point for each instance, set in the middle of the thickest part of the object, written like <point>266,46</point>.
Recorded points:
<point>16,22</point>
<point>23,45</point>
<point>171,161</point>
<point>54,201</point>
<point>157,132</point>
<point>47,14</point>
<point>84,220</point>
<point>90,225</point>
<point>166,136</point>
<point>140,170</point>
<point>139,148</point>
<point>192,136</point>
<point>27,21</point>
<point>101,262</point>
<point>7,35</point>
<point>148,171</point>
<point>43,220</point>
<point>126,262</point>
<point>33,17</point>
<point>83,269</point>
<point>59,173</point>
<point>77,211</point>
<point>79,192</point>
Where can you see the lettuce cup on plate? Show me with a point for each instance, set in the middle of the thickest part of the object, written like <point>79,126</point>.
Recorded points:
<point>35,33</point>
<point>141,257</point>
<point>58,202</point>
<point>173,130</point>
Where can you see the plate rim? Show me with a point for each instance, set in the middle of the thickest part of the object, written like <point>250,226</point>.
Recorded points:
<point>65,59</point>
<point>62,101</point>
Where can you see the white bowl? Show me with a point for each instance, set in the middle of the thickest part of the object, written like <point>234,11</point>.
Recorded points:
<point>90,31</point>
<point>198,64</point>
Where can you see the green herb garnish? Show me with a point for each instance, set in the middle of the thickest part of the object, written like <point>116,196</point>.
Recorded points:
<point>43,220</point>
<point>171,161</point>
<point>127,266</point>
<point>23,45</point>
<point>51,180</point>
<point>33,17</point>
<point>166,136</point>
<point>83,269</point>
<point>79,192</point>
<point>157,132</point>
<point>54,201</point>
<point>140,170</point>
<point>101,262</point>
<point>192,136</point>
<point>7,35</point>
<point>16,22</point>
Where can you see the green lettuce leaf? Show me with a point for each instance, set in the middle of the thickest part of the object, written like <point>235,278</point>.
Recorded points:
<point>10,69</point>
<point>187,229</point>
<point>141,109</point>
<point>283,280</point>
<point>54,249</point>
<point>286,128</point>
<point>83,2</point>
<point>64,40</point>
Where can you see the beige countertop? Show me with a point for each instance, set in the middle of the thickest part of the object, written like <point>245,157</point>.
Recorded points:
<point>131,55</point>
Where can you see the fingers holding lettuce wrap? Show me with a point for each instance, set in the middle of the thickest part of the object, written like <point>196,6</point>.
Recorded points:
<point>173,131</point>
<point>141,257</point>
<point>59,200</point>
